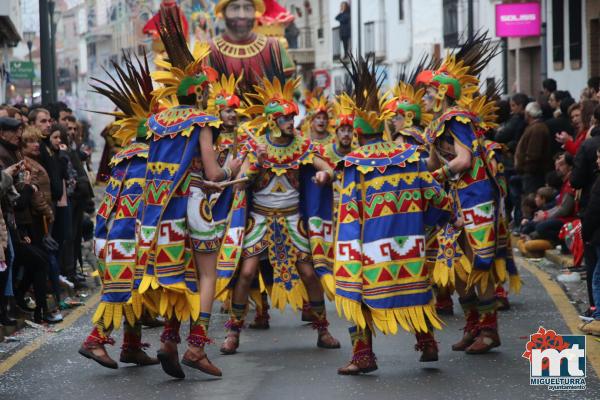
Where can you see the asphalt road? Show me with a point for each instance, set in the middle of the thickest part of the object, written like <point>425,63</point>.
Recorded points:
<point>284,363</point>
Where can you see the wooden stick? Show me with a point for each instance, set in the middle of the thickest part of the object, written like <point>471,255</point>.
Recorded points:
<point>233,182</point>
<point>249,133</point>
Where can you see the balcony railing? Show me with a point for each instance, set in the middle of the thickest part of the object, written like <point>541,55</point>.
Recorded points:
<point>336,43</point>
<point>301,47</point>
<point>374,34</point>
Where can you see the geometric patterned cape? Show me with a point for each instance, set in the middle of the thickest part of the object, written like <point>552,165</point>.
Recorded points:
<point>389,204</point>
<point>479,197</point>
<point>115,237</point>
<point>165,253</point>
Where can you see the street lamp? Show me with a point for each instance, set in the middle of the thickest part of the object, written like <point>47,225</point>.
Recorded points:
<point>54,17</point>
<point>29,36</point>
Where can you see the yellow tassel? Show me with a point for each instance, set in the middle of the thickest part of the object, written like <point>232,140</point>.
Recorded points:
<point>328,284</point>
<point>130,315</point>
<point>117,315</point>
<point>99,312</point>
<point>108,314</point>
<point>515,283</point>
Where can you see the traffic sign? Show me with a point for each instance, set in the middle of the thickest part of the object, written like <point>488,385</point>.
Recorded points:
<point>21,70</point>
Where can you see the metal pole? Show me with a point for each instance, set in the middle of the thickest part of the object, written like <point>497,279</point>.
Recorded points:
<point>505,65</point>
<point>29,46</point>
<point>45,53</point>
<point>51,6</point>
<point>470,19</point>
<point>359,31</point>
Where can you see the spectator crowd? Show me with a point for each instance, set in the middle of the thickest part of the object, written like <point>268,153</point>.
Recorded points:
<point>46,197</point>
<point>552,160</point>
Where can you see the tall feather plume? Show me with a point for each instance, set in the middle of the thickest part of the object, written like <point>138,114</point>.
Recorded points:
<point>478,52</point>
<point>367,82</point>
<point>130,85</point>
<point>172,36</point>
<point>408,73</point>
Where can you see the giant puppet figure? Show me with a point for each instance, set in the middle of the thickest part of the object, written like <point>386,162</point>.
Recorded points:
<point>242,50</point>
<point>478,254</point>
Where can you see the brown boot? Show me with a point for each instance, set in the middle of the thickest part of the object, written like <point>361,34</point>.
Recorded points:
<point>502,299</point>
<point>231,343</point>
<point>484,342</point>
<point>93,348</point>
<point>307,314</point>
<point>261,320</point>
<point>428,347</point>
<point>326,339</point>
<point>97,352</point>
<point>443,303</point>
<point>168,355</point>
<point>137,357</point>
<point>470,330</point>
<point>363,359</point>
<point>196,358</point>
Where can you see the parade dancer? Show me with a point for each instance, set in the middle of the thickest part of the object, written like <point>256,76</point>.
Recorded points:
<point>115,235</point>
<point>477,249</point>
<point>389,204</point>
<point>273,224</point>
<point>316,123</point>
<point>408,124</point>
<point>177,251</point>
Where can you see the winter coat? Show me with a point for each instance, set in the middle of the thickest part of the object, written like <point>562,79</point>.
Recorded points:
<point>585,167</point>
<point>590,222</point>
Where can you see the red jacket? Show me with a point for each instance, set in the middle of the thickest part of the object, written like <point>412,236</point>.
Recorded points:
<point>573,145</point>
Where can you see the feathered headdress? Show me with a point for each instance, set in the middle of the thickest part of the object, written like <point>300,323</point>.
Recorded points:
<point>316,102</point>
<point>223,94</point>
<point>370,107</point>
<point>183,75</point>
<point>409,103</point>
<point>132,92</point>
<point>273,100</point>
<point>343,111</point>
<point>457,77</point>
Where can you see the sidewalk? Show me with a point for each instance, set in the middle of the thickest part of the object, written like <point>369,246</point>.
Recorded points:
<point>554,263</point>
<point>13,338</point>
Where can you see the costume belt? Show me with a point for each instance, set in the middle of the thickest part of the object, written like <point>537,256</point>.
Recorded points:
<point>274,212</point>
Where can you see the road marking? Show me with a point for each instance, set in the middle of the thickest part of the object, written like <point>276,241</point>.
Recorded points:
<point>68,321</point>
<point>567,310</point>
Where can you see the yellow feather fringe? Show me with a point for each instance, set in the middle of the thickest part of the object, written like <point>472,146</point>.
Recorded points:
<point>111,315</point>
<point>412,319</point>
<point>295,297</point>
<point>328,284</point>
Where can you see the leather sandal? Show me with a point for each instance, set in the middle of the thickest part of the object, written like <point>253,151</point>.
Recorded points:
<point>231,343</point>
<point>200,362</point>
<point>87,350</point>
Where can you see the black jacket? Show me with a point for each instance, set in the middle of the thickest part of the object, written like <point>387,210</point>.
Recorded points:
<point>557,125</point>
<point>590,222</point>
<point>50,163</point>
<point>585,167</point>
<point>511,132</point>
<point>344,20</point>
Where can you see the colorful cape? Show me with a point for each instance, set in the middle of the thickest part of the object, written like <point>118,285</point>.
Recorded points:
<point>115,236</point>
<point>287,287</point>
<point>389,204</point>
<point>479,198</point>
<point>165,247</point>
